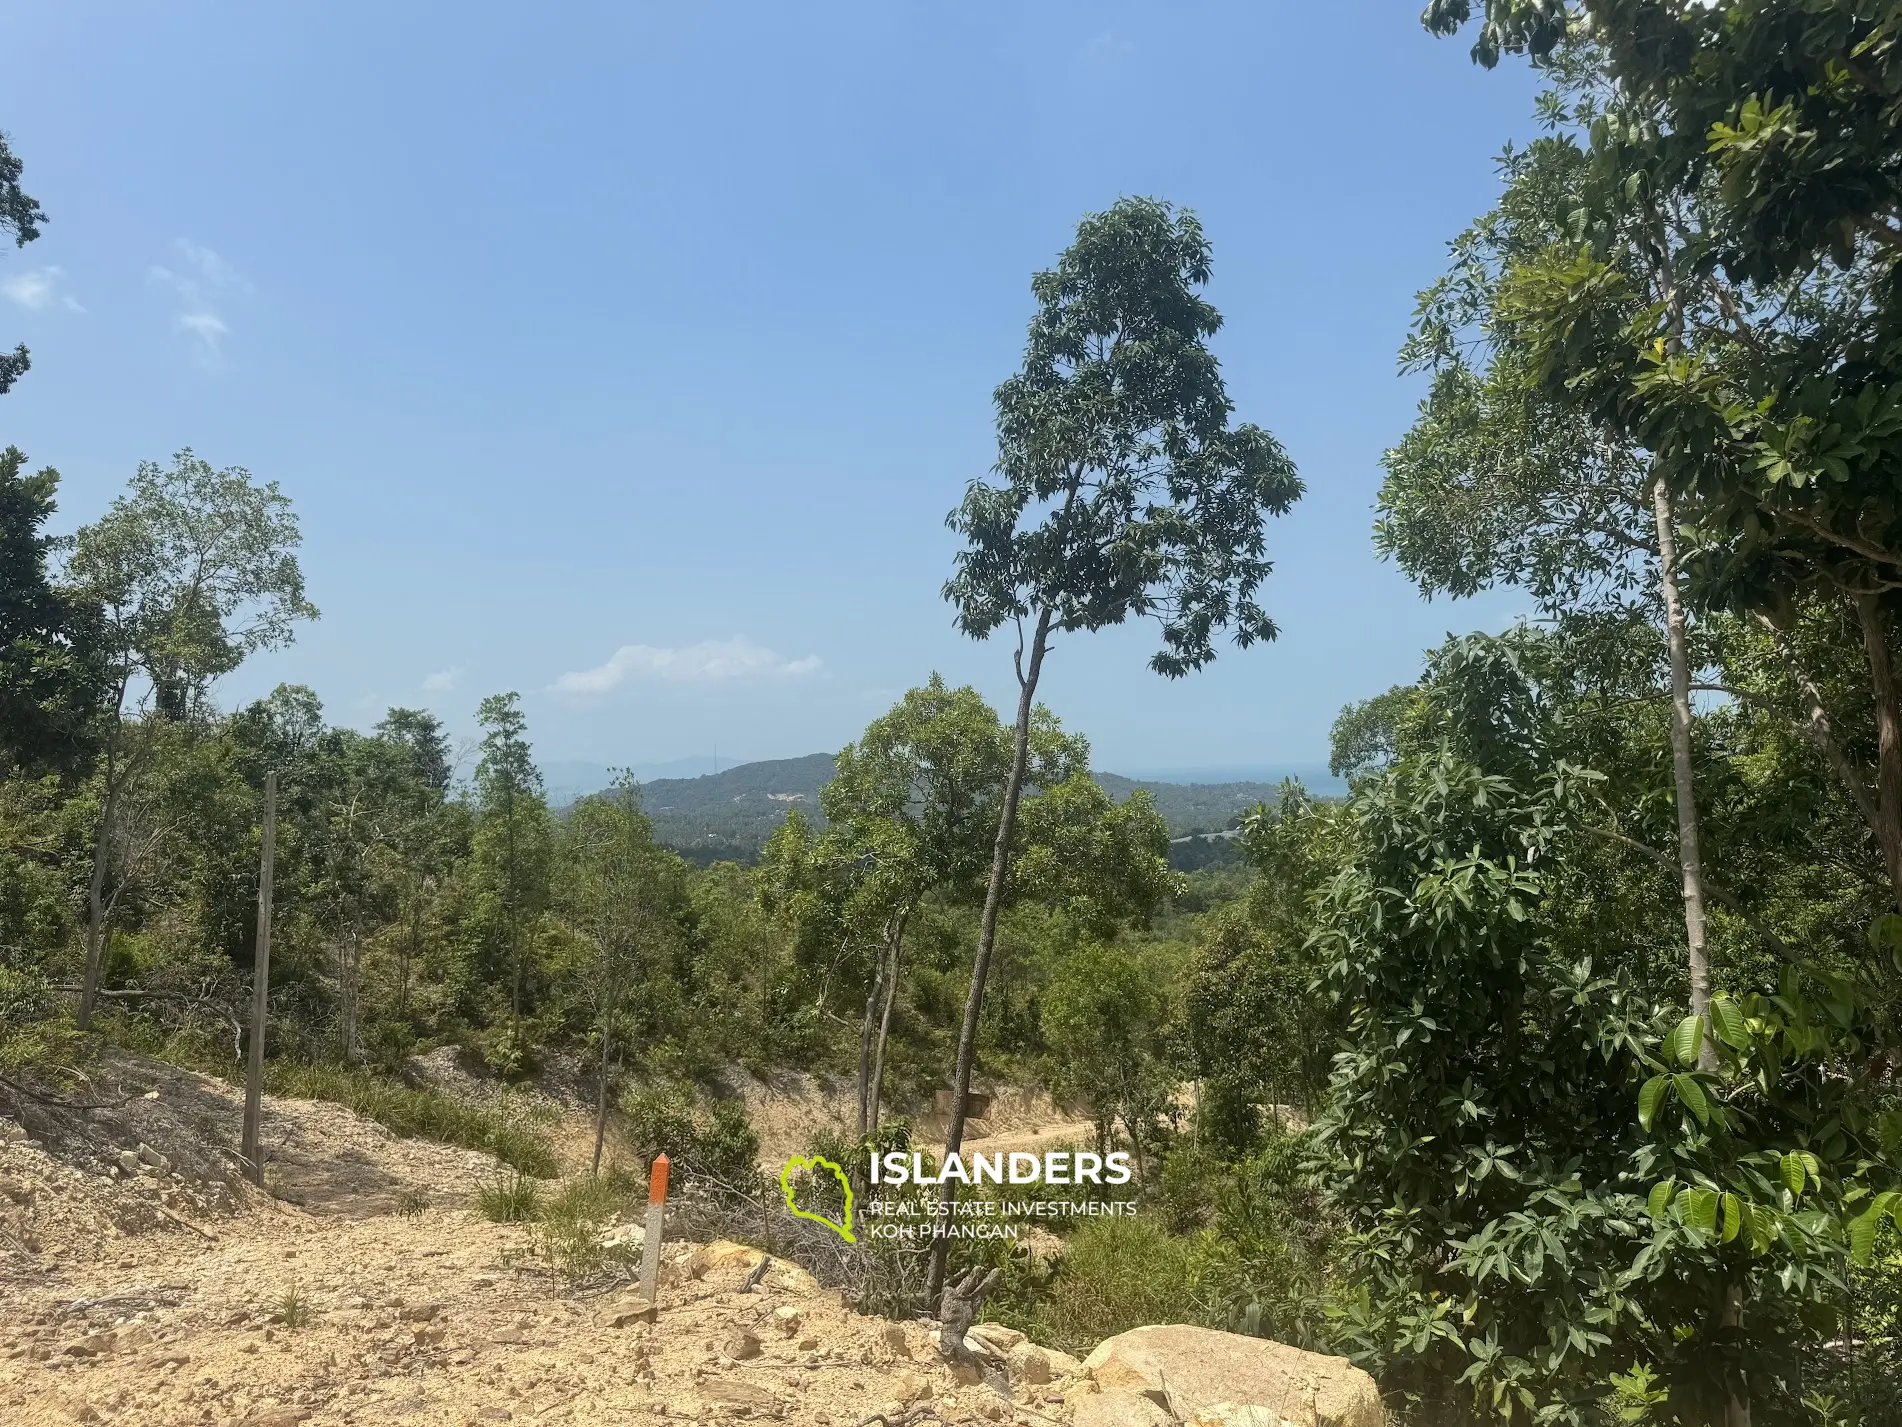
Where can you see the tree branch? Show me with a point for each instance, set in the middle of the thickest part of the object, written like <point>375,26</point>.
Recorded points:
<point>1717,890</point>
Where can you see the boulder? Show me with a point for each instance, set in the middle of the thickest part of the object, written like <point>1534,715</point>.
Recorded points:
<point>1028,1365</point>
<point>1195,1369</point>
<point>1120,1409</point>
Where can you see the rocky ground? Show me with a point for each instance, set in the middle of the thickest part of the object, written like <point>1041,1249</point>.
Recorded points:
<point>143,1282</point>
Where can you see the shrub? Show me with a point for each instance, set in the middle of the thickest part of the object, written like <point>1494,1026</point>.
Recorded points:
<point>512,1199</point>
<point>35,1034</point>
<point>717,1144</point>
<point>1117,1274</point>
<point>419,1114</point>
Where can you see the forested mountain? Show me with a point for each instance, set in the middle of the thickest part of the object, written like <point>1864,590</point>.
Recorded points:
<point>729,816</point>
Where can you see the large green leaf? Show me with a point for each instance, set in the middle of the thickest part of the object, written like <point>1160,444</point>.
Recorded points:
<point>1700,1209</point>
<point>1729,1024</point>
<point>1795,1175</point>
<point>1692,1094</point>
<point>1659,1202</point>
<point>1650,1098</point>
<point>1686,1040</point>
<point>1864,1228</point>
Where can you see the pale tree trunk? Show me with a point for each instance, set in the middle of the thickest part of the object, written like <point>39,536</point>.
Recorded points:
<point>350,993</point>
<point>1875,642</point>
<point>885,1022</point>
<point>1027,674</point>
<point>1690,857</point>
<point>867,1029</point>
<point>601,1091</point>
<point>116,771</point>
<point>410,948</point>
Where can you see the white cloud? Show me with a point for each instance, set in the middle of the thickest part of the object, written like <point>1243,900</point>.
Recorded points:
<point>38,289</point>
<point>208,327</point>
<point>201,281</point>
<point>710,661</point>
<point>442,681</point>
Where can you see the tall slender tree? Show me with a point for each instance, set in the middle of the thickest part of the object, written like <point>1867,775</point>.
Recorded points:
<point>1123,489</point>
<point>512,841</point>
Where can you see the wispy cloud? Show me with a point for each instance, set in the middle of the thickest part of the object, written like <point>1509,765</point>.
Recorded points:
<point>202,281</point>
<point>710,661</point>
<point>38,289</point>
<point>442,681</point>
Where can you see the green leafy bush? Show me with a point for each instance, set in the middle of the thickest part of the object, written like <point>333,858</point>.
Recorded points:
<point>717,1143</point>
<point>36,1034</point>
<point>1116,1274</point>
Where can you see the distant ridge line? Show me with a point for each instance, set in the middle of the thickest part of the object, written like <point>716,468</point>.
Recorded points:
<point>729,815</point>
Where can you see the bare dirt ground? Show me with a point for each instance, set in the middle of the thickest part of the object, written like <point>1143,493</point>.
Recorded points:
<point>142,1281</point>
<point>436,1318</point>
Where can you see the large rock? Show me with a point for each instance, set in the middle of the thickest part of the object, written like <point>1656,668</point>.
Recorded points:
<point>1198,1369</point>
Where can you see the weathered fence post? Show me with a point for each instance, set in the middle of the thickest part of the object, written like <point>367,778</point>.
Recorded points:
<point>650,1243</point>
<point>253,1147</point>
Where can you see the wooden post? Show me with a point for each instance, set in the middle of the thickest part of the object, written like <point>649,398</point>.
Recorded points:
<point>253,1147</point>
<point>650,1242</point>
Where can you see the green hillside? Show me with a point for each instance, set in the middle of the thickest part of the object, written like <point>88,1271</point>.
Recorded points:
<point>728,816</point>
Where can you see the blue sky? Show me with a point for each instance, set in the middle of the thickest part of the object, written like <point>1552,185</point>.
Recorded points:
<point>631,355</point>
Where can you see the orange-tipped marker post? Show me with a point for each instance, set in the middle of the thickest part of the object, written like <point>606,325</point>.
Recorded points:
<point>650,1242</point>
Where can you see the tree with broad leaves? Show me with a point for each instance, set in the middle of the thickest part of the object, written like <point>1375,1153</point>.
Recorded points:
<point>191,570</point>
<point>21,216</point>
<point>1123,490</point>
<point>49,678</point>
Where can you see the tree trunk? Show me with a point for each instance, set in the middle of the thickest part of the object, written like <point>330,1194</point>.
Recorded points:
<point>1737,1409</point>
<point>987,934</point>
<point>867,1028</point>
<point>349,991</point>
<point>515,923</point>
<point>885,1023</point>
<point>410,949</point>
<point>96,886</point>
<point>1690,858</point>
<point>601,1093</point>
<point>1875,643</point>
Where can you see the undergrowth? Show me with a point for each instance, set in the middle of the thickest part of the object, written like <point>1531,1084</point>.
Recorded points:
<point>500,1129</point>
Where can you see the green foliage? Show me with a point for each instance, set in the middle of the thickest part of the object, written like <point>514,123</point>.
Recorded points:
<point>513,1198</point>
<point>194,569</point>
<point>1256,1030</point>
<point>20,216</point>
<point>1116,1274</point>
<point>292,1309</point>
<point>716,1143</point>
<point>50,681</point>
<point>1116,433</point>
<point>1103,1014</point>
<point>37,1036</point>
<point>498,1128</point>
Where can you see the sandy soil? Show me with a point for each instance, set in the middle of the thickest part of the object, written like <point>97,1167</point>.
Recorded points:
<point>143,1281</point>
